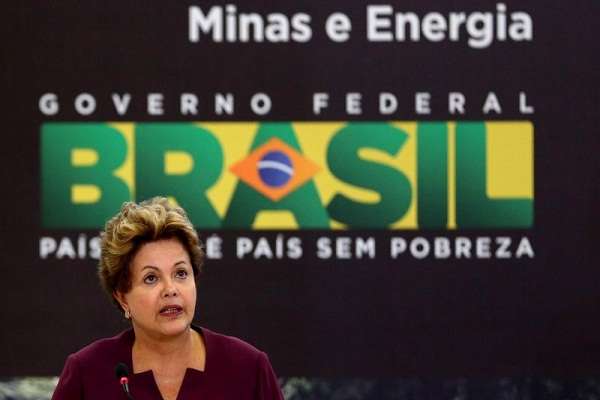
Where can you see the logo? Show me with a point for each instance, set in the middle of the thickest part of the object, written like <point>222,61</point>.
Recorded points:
<point>305,175</point>
<point>275,169</point>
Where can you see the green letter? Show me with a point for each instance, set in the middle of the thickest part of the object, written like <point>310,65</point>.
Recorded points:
<point>392,185</point>
<point>59,175</point>
<point>153,142</point>
<point>304,202</point>
<point>432,175</point>
<point>473,208</point>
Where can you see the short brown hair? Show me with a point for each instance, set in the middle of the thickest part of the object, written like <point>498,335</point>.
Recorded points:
<point>134,225</point>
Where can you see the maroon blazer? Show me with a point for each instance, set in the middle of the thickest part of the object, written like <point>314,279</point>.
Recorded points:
<point>234,370</point>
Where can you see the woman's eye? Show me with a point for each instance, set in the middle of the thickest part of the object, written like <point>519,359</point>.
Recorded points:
<point>182,273</point>
<point>150,279</point>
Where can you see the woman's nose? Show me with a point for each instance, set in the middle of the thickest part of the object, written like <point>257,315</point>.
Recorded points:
<point>170,290</point>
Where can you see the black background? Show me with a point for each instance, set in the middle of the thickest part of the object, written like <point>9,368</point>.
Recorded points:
<point>376,318</point>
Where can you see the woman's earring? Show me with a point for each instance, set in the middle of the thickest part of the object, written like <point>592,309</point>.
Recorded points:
<point>127,314</point>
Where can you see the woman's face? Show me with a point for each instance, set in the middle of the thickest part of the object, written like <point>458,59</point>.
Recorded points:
<point>162,298</point>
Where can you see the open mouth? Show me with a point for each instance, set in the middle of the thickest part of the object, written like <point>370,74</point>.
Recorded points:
<point>171,311</point>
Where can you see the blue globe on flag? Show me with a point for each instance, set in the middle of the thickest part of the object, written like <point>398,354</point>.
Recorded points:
<point>275,169</point>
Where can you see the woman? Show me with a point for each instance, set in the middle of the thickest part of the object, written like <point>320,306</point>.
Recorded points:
<point>150,257</point>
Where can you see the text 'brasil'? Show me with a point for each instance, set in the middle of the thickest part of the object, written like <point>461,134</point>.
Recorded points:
<point>304,175</point>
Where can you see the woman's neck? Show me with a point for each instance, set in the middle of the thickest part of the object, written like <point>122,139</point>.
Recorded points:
<point>163,346</point>
<point>153,353</point>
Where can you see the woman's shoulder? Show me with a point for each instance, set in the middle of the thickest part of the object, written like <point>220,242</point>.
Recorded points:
<point>239,368</point>
<point>114,347</point>
<point>229,348</point>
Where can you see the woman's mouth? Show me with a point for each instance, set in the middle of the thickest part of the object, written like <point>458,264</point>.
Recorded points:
<point>171,311</point>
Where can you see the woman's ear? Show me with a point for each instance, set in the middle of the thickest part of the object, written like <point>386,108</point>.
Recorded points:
<point>121,300</point>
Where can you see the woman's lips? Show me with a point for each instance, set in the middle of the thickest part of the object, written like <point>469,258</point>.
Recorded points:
<point>171,311</point>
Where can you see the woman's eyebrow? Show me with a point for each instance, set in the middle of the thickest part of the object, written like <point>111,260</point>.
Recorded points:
<point>156,268</point>
<point>180,262</point>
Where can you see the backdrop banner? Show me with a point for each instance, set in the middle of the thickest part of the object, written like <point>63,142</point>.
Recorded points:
<point>384,189</point>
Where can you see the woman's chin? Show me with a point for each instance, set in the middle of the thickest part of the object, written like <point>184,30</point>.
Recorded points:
<point>174,326</point>
<point>165,327</point>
